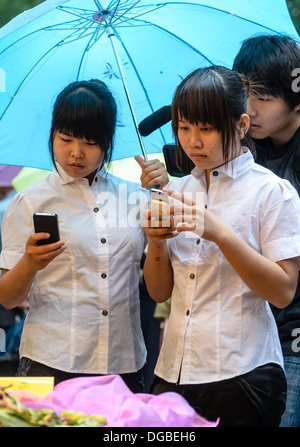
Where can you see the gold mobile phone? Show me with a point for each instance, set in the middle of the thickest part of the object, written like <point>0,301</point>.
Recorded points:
<point>159,197</point>
<point>160,202</point>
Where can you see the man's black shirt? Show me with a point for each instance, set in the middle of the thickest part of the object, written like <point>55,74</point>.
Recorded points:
<point>284,161</point>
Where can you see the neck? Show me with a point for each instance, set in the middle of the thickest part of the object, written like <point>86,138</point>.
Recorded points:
<point>285,135</point>
<point>208,171</point>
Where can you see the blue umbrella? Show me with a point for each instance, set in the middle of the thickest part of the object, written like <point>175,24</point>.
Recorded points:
<point>141,50</point>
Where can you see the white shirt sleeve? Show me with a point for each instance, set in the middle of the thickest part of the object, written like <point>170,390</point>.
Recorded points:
<point>16,228</point>
<point>280,223</point>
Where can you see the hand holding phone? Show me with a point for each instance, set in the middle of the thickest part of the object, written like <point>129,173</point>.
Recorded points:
<point>160,209</point>
<point>46,223</point>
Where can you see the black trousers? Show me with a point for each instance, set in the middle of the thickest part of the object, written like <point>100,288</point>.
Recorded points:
<point>30,368</point>
<point>255,399</point>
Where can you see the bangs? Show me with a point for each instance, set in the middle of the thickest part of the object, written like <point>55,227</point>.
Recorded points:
<point>85,110</point>
<point>213,96</point>
<point>80,117</point>
<point>202,102</point>
<point>200,105</point>
<point>257,87</point>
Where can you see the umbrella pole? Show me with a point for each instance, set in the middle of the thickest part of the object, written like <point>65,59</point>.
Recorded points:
<point>111,35</point>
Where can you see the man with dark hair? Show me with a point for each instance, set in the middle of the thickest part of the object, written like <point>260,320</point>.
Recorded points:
<point>269,63</point>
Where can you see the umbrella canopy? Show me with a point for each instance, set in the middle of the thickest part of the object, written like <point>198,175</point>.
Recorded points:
<point>140,49</point>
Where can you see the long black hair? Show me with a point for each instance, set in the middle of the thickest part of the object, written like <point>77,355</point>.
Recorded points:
<point>87,110</point>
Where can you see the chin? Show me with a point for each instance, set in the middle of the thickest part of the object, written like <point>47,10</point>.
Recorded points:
<point>258,135</point>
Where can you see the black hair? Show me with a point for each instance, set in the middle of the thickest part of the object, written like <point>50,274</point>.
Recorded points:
<point>213,95</point>
<point>87,110</point>
<point>268,62</point>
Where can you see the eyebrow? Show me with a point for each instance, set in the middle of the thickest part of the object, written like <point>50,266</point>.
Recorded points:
<point>64,133</point>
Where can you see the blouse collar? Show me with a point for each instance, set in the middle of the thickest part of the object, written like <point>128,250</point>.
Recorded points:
<point>68,179</point>
<point>232,168</point>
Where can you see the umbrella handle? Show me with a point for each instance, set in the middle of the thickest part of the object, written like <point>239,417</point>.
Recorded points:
<point>111,35</point>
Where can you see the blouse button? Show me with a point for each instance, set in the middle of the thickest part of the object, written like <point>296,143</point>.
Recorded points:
<point>187,312</point>
<point>198,241</point>
<point>192,276</point>
<point>103,240</point>
<point>104,313</point>
<point>215,173</point>
<point>96,210</point>
<point>103,275</point>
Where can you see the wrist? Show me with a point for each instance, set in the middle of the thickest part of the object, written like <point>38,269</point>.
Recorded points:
<point>28,267</point>
<point>157,244</point>
<point>224,236</point>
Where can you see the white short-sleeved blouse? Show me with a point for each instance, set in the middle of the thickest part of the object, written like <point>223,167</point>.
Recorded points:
<point>84,306</point>
<point>218,328</point>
